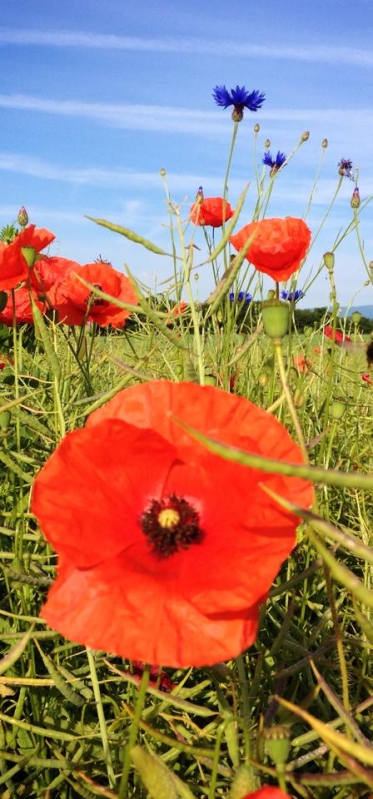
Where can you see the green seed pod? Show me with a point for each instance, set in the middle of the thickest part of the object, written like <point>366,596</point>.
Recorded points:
<point>329,260</point>
<point>263,379</point>
<point>277,743</point>
<point>275,318</point>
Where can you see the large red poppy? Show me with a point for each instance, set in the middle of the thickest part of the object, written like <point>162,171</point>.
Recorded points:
<point>76,303</point>
<point>17,258</point>
<point>22,308</point>
<point>49,270</point>
<point>166,550</point>
<point>213,211</point>
<point>278,246</point>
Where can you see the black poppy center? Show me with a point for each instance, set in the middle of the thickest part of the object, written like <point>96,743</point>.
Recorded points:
<point>92,300</point>
<point>171,524</point>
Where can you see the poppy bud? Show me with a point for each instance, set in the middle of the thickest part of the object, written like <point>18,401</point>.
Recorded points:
<point>267,144</point>
<point>277,742</point>
<point>275,318</point>
<point>243,783</point>
<point>324,143</point>
<point>210,380</point>
<point>298,398</point>
<point>355,317</point>
<point>3,300</point>
<point>162,173</point>
<point>22,217</point>
<point>329,260</point>
<point>263,379</point>
<point>355,199</point>
<point>305,136</point>
<point>256,127</point>
<point>337,409</point>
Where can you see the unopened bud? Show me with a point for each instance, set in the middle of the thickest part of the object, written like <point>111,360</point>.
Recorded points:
<point>162,173</point>
<point>324,143</point>
<point>305,136</point>
<point>263,379</point>
<point>355,317</point>
<point>256,127</point>
<point>22,217</point>
<point>355,199</point>
<point>267,144</point>
<point>337,409</point>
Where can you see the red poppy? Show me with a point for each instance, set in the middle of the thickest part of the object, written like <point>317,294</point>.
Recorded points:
<point>17,258</point>
<point>278,246</point>
<point>166,550</point>
<point>213,211</point>
<point>49,270</point>
<point>367,378</point>
<point>22,306</point>
<point>301,363</point>
<point>4,361</point>
<point>335,335</point>
<point>267,792</point>
<point>76,304</point>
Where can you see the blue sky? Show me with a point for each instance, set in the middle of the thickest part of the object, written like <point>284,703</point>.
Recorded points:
<point>96,97</point>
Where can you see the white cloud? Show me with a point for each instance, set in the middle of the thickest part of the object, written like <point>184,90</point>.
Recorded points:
<point>169,119</point>
<point>337,55</point>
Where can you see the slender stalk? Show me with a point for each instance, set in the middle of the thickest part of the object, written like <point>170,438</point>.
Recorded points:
<point>101,718</point>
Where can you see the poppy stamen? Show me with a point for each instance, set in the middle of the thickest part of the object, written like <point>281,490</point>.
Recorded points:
<point>171,524</point>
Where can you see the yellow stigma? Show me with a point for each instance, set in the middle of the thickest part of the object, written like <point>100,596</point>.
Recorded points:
<point>168,517</point>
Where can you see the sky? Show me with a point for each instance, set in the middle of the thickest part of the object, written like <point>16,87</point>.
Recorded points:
<point>96,97</point>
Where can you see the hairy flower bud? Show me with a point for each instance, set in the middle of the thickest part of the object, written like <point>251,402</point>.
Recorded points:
<point>22,217</point>
<point>355,199</point>
<point>305,136</point>
<point>256,127</point>
<point>324,143</point>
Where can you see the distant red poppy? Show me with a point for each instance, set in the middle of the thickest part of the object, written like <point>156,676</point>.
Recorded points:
<point>212,211</point>
<point>50,270</point>
<point>367,378</point>
<point>166,550</point>
<point>4,361</point>
<point>267,792</point>
<point>17,258</point>
<point>336,336</point>
<point>278,246</point>
<point>301,363</point>
<point>76,303</point>
<point>22,306</point>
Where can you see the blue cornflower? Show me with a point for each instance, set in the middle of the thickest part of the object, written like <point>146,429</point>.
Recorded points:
<point>239,98</point>
<point>345,167</point>
<point>292,296</point>
<point>274,163</point>
<point>242,296</point>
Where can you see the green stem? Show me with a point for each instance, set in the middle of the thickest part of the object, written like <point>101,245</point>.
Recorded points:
<point>289,398</point>
<point>134,731</point>
<point>101,718</point>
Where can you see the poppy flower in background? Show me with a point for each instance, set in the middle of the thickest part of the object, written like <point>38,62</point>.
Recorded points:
<point>267,792</point>
<point>278,247</point>
<point>212,211</point>
<point>239,98</point>
<point>335,335</point>
<point>301,363</point>
<point>75,303</point>
<point>22,306</point>
<point>166,550</point>
<point>19,257</point>
<point>4,361</point>
<point>49,270</point>
<point>367,378</point>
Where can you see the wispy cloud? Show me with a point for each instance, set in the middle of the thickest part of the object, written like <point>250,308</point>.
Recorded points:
<point>337,55</point>
<point>171,119</point>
